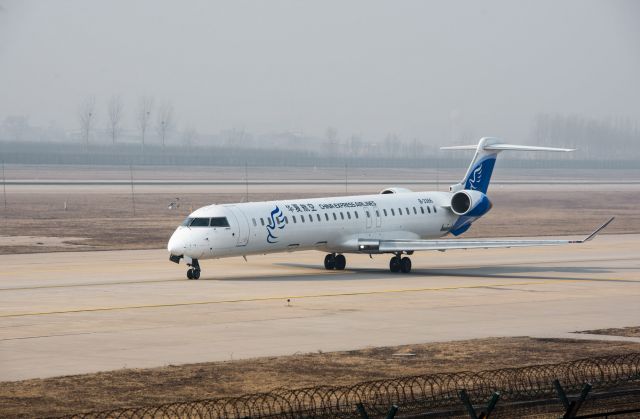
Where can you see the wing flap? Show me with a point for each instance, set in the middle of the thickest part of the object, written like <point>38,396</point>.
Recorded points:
<point>455,244</point>
<point>391,246</point>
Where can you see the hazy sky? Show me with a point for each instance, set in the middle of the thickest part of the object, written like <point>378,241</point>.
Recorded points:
<point>369,67</point>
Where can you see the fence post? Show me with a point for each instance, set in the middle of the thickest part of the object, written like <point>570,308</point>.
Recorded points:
<point>392,412</point>
<point>491,405</point>
<point>472,412</point>
<point>467,403</point>
<point>362,411</point>
<point>572,412</point>
<point>561,394</point>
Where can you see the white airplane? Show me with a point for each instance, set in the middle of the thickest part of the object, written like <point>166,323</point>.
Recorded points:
<point>396,221</point>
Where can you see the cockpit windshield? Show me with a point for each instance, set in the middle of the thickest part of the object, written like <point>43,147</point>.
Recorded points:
<point>199,222</point>
<point>219,222</point>
<point>206,222</point>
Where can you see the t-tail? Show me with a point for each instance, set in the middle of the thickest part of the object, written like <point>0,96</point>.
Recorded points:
<point>479,172</point>
<point>469,201</point>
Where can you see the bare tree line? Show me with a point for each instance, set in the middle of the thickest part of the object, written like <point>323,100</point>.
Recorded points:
<point>152,125</point>
<point>144,115</point>
<point>613,138</point>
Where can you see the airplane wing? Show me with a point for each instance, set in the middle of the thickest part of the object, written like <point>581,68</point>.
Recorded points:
<point>391,246</point>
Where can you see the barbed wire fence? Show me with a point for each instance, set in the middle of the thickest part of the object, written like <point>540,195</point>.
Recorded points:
<point>519,388</point>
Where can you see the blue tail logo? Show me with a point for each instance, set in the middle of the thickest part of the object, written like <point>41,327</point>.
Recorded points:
<point>276,222</point>
<point>480,175</point>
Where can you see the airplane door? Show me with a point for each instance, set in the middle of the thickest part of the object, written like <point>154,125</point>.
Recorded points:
<point>378,218</point>
<point>243,226</point>
<point>369,217</point>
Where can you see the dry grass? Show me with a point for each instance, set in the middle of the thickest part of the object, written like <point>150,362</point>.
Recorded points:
<point>106,220</point>
<point>631,332</point>
<point>138,387</point>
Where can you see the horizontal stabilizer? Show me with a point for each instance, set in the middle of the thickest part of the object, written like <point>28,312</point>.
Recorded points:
<point>504,147</point>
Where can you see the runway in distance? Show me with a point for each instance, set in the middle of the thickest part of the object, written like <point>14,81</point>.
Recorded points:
<point>397,221</point>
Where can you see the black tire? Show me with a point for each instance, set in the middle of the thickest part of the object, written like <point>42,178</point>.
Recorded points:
<point>196,274</point>
<point>341,262</point>
<point>394,264</point>
<point>190,274</point>
<point>405,265</point>
<point>330,262</point>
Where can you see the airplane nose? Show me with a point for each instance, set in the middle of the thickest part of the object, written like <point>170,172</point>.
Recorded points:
<point>176,244</point>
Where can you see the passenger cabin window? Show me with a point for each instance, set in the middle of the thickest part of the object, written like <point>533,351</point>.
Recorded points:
<point>294,219</point>
<point>254,223</point>
<point>399,211</point>
<point>356,214</point>
<point>335,217</point>
<point>434,209</point>
<point>393,212</point>
<point>348,215</point>
<point>342,215</point>
<point>326,216</point>
<point>415,211</point>
<point>422,210</point>
<point>318,215</point>
<point>302,218</point>
<point>262,221</point>
<point>408,213</point>
<point>429,210</point>
<point>385,212</point>
<point>219,222</point>
<point>199,222</point>
<point>286,220</point>
<point>368,214</point>
<point>310,218</point>
<point>377,213</point>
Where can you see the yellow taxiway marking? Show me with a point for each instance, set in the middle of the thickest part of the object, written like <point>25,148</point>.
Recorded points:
<point>298,297</point>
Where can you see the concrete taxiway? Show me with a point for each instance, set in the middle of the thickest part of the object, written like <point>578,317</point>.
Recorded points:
<point>79,312</point>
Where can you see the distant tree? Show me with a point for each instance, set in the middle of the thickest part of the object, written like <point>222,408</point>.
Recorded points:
<point>355,145</point>
<point>392,145</point>
<point>165,122</point>
<point>86,115</point>
<point>16,127</point>
<point>143,116</point>
<point>115,113</point>
<point>188,135</point>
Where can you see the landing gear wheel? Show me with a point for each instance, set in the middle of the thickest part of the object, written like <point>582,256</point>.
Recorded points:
<point>394,264</point>
<point>190,274</point>
<point>405,265</point>
<point>196,274</point>
<point>340,262</point>
<point>330,262</point>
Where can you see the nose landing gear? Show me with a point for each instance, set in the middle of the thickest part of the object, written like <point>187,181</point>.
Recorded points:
<point>194,270</point>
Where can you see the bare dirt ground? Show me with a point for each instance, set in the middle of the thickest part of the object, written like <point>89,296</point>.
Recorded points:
<point>125,388</point>
<point>632,332</point>
<point>63,217</point>
<point>104,219</point>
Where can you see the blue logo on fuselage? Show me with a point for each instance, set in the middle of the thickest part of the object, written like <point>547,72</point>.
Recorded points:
<point>276,222</point>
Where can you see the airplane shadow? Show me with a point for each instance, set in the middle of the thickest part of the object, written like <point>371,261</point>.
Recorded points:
<point>530,272</point>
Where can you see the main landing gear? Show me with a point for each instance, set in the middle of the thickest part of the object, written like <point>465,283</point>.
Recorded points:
<point>333,261</point>
<point>194,270</point>
<point>400,264</point>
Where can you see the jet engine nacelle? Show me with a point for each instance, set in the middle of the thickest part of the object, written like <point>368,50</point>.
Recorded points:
<point>470,203</point>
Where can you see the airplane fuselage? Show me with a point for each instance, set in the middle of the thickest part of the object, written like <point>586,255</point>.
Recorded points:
<point>333,224</point>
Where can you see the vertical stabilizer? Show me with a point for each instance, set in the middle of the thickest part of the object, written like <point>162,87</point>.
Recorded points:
<point>480,170</point>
